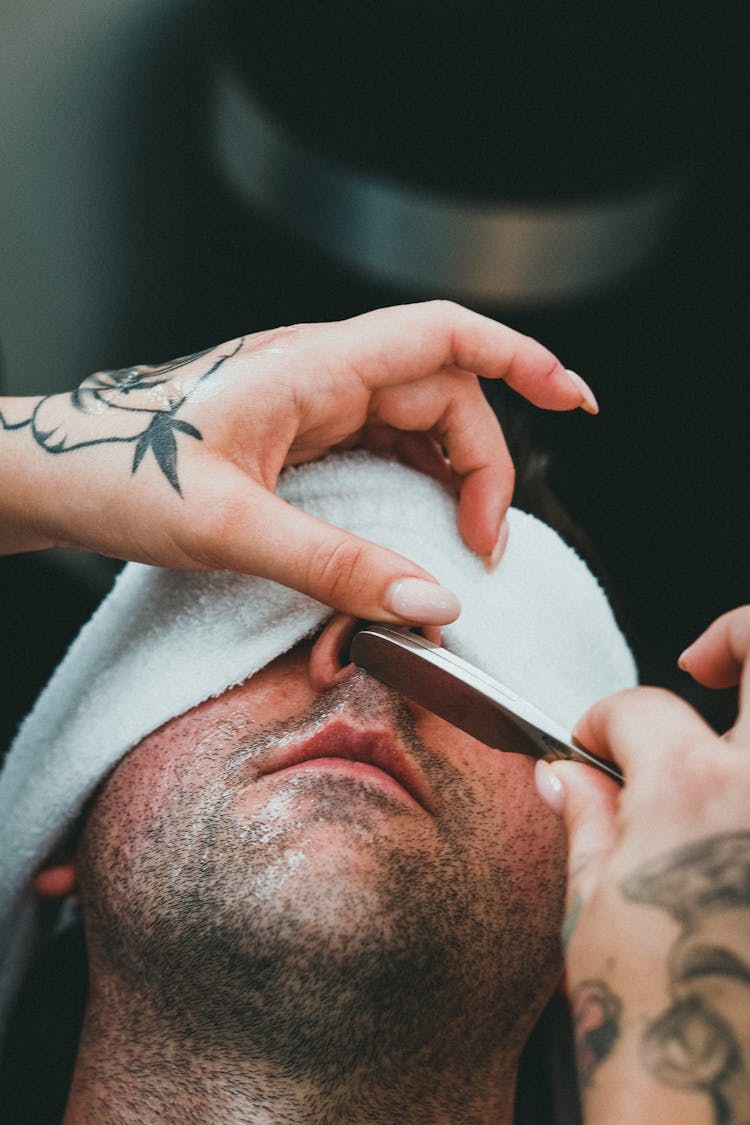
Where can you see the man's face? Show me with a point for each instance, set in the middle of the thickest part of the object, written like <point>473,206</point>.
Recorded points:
<point>284,852</point>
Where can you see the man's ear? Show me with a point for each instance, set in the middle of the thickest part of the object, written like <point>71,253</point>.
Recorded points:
<point>57,879</point>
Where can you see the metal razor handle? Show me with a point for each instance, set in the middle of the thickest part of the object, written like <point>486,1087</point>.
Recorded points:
<point>574,752</point>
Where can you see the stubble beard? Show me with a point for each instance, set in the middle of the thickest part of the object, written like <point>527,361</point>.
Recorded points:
<point>382,956</point>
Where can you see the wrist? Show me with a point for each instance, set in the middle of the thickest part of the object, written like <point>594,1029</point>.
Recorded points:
<point>26,492</point>
<point>639,1056</point>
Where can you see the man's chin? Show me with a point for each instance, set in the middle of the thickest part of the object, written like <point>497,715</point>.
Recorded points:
<point>327,850</point>
<point>315,841</point>
<point>321,885</point>
<point>342,793</point>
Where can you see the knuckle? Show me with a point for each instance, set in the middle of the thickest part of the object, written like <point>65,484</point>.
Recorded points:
<point>739,628</point>
<point>550,367</point>
<point>507,481</point>
<point>333,573</point>
<point>606,709</point>
<point>656,696</point>
<point>643,696</point>
<point>448,316</point>
<point>270,337</point>
<point>612,717</point>
<point>444,307</point>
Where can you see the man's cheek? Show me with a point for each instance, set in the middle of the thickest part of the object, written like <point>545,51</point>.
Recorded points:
<point>530,848</point>
<point>133,808</point>
<point>497,772</point>
<point>511,798</point>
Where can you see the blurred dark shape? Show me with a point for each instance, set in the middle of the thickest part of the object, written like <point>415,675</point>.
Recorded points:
<point>42,606</point>
<point>517,101</point>
<point>37,1064</point>
<point>513,154</point>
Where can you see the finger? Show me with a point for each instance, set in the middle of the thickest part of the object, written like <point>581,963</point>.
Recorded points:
<point>452,407</point>
<point>476,446</point>
<point>587,802</point>
<point>420,451</point>
<point>646,730</point>
<point>424,453</point>
<point>408,342</point>
<point>717,657</point>
<point>333,566</point>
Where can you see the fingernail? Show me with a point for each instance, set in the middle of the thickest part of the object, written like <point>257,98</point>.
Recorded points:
<point>424,603</point>
<point>491,561</point>
<point>549,787</point>
<point>681,661</point>
<point>588,399</point>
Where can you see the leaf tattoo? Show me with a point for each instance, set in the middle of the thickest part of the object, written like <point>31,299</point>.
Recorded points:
<point>159,437</point>
<point>146,401</point>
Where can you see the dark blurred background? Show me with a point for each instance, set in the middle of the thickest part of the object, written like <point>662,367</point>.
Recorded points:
<point>173,174</point>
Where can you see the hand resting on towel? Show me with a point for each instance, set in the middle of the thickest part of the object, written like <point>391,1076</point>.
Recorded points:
<point>177,465</point>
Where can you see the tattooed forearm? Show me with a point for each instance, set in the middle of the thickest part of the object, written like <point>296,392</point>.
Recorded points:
<point>141,403</point>
<point>596,1013</point>
<point>702,1041</point>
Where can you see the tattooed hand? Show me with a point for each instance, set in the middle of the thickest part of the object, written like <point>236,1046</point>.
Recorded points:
<point>177,465</point>
<point>658,927</point>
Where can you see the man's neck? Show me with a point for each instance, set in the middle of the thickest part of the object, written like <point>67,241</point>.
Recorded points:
<point>131,1071</point>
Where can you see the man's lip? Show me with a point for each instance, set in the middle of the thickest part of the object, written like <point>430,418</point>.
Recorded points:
<point>375,747</point>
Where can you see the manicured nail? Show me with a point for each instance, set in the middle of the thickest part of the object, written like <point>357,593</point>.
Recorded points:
<point>549,787</point>
<point>424,603</point>
<point>491,561</point>
<point>588,399</point>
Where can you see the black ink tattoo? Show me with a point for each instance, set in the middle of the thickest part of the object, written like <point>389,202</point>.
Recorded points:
<point>6,425</point>
<point>159,437</point>
<point>702,1041</point>
<point>131,392</point>
<point>596,1014</point>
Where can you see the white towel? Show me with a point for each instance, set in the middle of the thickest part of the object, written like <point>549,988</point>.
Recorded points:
<point>164,641</point>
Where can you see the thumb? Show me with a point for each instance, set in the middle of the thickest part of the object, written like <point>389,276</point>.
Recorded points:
<point>587,800</point>
<point>265,535</point>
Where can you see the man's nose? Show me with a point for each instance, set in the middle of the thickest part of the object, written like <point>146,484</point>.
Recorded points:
<point>329,656</point>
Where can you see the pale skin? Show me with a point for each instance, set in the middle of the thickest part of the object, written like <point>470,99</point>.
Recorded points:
<point>177,465</point>
<point>339,832</point>
<point>658,955</point>
<point>658,928</point>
